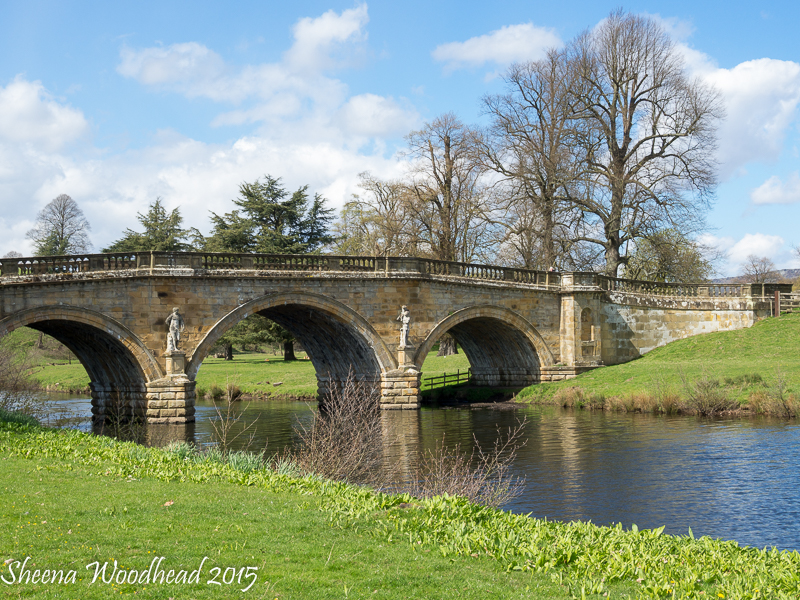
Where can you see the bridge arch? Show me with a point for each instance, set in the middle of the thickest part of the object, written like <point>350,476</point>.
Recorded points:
<point>119,365</point>
<point>504,349</point>
<point>334,335</point>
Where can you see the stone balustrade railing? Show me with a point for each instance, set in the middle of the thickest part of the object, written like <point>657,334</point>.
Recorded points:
<point>211,261</point>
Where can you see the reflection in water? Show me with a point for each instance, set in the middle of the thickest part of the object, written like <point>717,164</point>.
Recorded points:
<point>734,479</point>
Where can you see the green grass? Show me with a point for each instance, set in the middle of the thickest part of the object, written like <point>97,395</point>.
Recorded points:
<point>70,499</point>
<point>257,373</point>
<point>769,350</point>
<point>101,500</point>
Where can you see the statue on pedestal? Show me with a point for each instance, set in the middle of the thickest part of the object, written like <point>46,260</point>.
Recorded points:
<point>405,323</point>
<point>176,325</point>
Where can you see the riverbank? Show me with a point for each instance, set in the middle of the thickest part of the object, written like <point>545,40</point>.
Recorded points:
<point>311,538</point>
<point>747,371</point>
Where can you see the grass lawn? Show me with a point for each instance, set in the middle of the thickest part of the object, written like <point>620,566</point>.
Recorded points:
<point>71,499</point>
<point>770,350</point>
<point>65,514</point>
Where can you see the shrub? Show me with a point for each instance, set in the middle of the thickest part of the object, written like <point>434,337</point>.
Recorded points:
<point>483,477</point>
<point>705,396</point>
<point>344,439</point>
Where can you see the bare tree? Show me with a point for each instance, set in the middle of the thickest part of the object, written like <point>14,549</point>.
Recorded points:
<point>533,145</point>
<point>377,224</point>
<point>60,229</point>
<point>12,254</point>
<point>758,269</point>
<point>443,193</point>
<point>650,134</point>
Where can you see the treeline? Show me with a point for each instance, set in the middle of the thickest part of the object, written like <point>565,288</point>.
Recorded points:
<point>597,157</point>
<point>600,156</point>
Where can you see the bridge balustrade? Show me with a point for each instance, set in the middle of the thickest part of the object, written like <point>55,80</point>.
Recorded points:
<point>224,261</point>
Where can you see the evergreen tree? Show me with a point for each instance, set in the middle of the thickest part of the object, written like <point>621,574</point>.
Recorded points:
<point>162,233</point>
<point>271,221</point>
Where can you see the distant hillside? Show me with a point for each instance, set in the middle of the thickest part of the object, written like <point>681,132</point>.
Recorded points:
<point>786,274</point>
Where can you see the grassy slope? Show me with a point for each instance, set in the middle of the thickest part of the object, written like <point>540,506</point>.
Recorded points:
<point>771,349</point>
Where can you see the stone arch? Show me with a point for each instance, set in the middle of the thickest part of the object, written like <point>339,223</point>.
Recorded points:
<point>503,348</point>
<point>334,335</point>
<point>118,363</point>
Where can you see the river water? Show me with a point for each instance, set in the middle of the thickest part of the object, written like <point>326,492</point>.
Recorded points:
<point>727,478</point>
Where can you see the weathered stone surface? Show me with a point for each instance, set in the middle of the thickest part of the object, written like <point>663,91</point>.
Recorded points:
<point>516,327</point>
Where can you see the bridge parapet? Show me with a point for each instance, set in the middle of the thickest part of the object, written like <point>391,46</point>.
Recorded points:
<point>134,263</point>
<point>153,262</point>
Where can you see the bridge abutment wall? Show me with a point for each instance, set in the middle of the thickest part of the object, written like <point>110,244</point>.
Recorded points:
<point>634,326</point>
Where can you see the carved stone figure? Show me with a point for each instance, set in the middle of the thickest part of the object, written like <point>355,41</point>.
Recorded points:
<point>405,323</point>
<point>176,325</point>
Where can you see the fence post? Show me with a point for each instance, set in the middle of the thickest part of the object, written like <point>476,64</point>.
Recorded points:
<point>777,305</point>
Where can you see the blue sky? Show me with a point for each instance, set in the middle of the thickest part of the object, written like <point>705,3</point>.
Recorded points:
<point>118,103</point>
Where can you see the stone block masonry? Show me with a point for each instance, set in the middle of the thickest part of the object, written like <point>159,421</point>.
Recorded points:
<point>517,327</point>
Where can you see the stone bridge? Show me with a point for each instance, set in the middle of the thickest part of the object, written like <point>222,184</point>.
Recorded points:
<point>517,327</point>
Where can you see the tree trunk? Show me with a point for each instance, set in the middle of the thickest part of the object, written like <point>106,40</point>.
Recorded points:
<point>288,351</point>
<point>447,346</point>
<point>228,351</point>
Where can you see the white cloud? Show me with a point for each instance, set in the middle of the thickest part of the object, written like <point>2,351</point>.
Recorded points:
<point>376,116</point>
<point>775,191</point>
<point>761,97</point>
<point>194,70</point>
<point>32,118</point>
<point>318,40</point>
<point>175,64</point>
<point>291,98</point>
<point>502,47</point>
<point>197,176</point>
<point>759,244</point>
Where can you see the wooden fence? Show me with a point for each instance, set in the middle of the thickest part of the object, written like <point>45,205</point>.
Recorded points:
<point>456,378</point>
<point>785,303</point>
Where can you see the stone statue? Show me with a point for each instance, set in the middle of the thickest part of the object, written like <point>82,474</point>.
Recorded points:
<point>176,325</point>
<point>405,323</point>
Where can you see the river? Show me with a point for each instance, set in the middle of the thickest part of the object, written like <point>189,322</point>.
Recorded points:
<point>727,478</point>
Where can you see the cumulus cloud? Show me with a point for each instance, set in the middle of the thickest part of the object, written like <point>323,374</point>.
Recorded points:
<point>376,116</point>
<point>502,47</point>
<point>759,244</point>
<point>197,176</point>
<point>317,40</point>
<point>761,97</point>
<point>194,70</point>
<point>31,117</point>
<point>292,97</point>
<point>776,191</point>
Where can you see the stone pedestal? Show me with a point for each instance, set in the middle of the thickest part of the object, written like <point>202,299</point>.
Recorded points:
<point>175,362</point>
<point>171,400</point>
